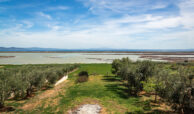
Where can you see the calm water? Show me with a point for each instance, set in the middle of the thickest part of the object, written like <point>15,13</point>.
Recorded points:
<point>46,58</point>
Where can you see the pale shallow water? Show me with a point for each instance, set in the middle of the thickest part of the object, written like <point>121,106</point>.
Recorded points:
<point>46,58</point>
<point>60,58</point>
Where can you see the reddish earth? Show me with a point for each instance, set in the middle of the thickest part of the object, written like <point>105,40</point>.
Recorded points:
<point>170,59</point>
<point>7,56</point>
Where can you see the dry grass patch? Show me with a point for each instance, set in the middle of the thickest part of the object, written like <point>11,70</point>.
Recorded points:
<point>159,105</point>
<point>47,96</point>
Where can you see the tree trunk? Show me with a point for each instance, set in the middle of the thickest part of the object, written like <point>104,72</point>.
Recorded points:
<point>129,90</point>
<point>155,96</point>
<point>2,99</point>
<point>181,108</point>
<point>182,112</point>
<point>28,93</point>
<point>1,105</point>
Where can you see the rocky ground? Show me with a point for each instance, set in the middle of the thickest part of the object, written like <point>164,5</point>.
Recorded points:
<point>87,109</point>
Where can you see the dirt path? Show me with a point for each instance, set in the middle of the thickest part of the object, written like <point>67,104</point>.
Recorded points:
<point>48,96</point>
<point>61,80</point>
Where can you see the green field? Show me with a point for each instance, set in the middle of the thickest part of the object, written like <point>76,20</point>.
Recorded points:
<point>103,88</point>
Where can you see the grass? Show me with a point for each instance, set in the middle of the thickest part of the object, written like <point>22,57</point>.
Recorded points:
<point>95,89</point>
<point>102,88</point>
<point>94,69</point>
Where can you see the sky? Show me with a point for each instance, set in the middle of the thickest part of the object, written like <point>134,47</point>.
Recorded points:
<point>84,24</point>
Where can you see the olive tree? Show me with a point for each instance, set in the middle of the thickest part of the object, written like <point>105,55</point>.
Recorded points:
<point>179,89</point>
<point>4,87</point>
<point>118,66</point>
<point>145,69</point>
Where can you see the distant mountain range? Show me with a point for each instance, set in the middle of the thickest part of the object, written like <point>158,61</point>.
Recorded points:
<point>36,49</point>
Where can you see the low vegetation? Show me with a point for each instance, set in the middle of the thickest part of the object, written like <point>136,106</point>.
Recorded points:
<point>176,85</point>
<point>19,82</point>
<point>82,77</point>
<point>122,87</point>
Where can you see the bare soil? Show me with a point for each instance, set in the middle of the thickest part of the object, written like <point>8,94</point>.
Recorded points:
<point>170,59</point>
<point>7,56</point>
<point>48,95</point>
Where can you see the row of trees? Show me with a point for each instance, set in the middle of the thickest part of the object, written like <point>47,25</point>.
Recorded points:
<point>133,73</point>
<point>175,85</point>
<point>19,82</point>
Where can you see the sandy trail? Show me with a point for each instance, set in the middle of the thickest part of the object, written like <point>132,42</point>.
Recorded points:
<point>61,80</point>
<point>47,95</point>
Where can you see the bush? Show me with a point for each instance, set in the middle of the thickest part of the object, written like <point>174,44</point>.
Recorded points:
<point>83,73</point>
<point>83,77</point>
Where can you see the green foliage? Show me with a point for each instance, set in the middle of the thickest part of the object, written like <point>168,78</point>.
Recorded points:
<point>174,83</point>
<point>4,87</point>
<point>83,73</point>
<point>178,89</point>
<point>134,81</point>
<point>82,77</point>
<point>118,64</point>
<point>150,85</point>
<point>145,69</point>
<point>19,82</point>
<point>133,73</point>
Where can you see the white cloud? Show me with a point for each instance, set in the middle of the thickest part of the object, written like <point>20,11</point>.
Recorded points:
<point>125,31</point>
<point>170,22</point>
<point>28,24</point>
<point>159,6</point>
<point>124,6</point>
<point>58,8</point>
<point>44,15</point>
<point>187,13</point>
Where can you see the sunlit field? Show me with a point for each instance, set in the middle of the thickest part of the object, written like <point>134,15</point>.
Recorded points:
<point>103,87</point>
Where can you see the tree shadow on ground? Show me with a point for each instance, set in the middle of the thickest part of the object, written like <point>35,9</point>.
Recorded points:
<point>152,112</point>
<point>111,79</point>
<point>122,92</point>
<point>6,109</point>
<point>118,88</point>
<point>157,111</point>
<point>149,108</point>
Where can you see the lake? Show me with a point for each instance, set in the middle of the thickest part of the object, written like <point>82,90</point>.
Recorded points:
<point>47,58</point>
<point>60,58</point>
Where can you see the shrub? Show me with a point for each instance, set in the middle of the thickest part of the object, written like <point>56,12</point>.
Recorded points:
<point>83,77</point>
<point>83,73</point>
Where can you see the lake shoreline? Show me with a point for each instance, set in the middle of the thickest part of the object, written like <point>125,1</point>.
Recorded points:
<point>7,56</point>
<point>89,57</point>
<point>116,52</point>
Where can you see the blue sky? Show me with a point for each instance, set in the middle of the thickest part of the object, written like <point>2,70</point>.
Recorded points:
<point>119,24</point>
